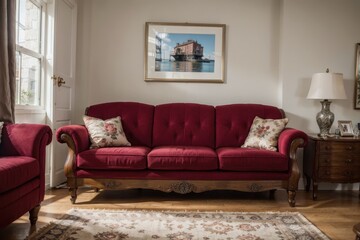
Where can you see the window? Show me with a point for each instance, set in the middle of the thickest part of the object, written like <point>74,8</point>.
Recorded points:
<point>29,54</point>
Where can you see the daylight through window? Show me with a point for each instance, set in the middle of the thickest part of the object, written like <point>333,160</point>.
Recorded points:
<point>28,52</point>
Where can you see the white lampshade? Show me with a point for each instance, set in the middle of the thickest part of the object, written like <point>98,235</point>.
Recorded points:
<point>327,86</point>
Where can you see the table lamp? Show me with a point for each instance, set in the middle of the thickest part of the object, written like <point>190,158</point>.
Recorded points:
<point>326,86</point>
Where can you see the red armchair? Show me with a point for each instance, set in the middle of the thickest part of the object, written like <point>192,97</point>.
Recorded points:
<point>22,170</point>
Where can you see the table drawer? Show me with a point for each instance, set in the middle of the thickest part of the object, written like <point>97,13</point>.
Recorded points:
<point>341,174</point>
<point>340,147</point>
<point>339,160</point>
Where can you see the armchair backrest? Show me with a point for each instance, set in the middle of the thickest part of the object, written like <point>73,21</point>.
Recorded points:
<point>24,139</point>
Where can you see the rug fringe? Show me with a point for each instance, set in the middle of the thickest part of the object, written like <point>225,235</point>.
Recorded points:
<point>183,211</point>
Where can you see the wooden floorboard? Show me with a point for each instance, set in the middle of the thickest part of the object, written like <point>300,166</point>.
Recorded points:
<point>335,212</point>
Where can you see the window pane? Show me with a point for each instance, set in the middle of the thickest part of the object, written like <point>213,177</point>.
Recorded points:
<point>27,80</point>
<point>28,25</point>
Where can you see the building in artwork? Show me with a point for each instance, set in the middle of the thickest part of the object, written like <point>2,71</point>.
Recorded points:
<point>158,43</point>
<point>188,51</point>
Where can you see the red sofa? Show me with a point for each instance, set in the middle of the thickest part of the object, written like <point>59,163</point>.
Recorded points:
<point>182,147</point>
<point>22,170</point>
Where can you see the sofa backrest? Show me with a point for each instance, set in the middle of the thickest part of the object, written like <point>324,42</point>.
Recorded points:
<point>136,119</point>
<point>184,124</point>
<point>233,121</point>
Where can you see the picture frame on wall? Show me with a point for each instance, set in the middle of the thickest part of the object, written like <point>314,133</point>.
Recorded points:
<point>184,52</point>
<point>346,128</point>
<point>357,78</point>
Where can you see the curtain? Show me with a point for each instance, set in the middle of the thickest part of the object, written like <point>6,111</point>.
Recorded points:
<point>7,60</point>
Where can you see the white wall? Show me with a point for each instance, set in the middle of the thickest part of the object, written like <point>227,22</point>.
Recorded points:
<point>272,49</point>
<point>317,35</point>
<point>111,37</point>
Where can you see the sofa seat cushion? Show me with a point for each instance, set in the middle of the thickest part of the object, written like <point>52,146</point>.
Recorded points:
<point>251,160</point>
<point>125,158</point>
<point>17,170</point>
<point>182,158</point>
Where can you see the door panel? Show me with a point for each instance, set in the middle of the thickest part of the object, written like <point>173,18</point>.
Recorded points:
<point>64,49</point>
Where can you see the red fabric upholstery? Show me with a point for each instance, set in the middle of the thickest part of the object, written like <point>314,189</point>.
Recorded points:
<point>24,139</point>
<point>182,175</point>
<point>17,208</point>
<point>185,141</point>
<point>287,136</point>
<point>233,122</point>
<point>22,166</point>
<point>182,158</point>
<point>136,119</point>
<point>15,194</point>
<point>17,170</point>
<point>184,124</point>
<point>252,160</point>
<point>78,133</point>
<point>125,158</point>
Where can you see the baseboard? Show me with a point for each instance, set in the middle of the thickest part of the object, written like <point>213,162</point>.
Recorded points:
<point>331,186</point>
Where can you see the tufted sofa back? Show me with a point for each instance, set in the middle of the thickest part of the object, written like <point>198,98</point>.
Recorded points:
<point>233,121</point>
<point>136,119</point>
<point>184,124</point>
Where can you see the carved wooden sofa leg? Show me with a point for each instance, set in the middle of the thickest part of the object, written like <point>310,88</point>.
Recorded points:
<point>73,194</point>
<point>34,214</point>
<point>291,198</point>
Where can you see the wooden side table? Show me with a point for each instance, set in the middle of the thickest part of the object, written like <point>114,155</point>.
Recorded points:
<point>335,160</point>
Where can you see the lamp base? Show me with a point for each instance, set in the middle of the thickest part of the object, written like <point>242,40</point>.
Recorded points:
<point>325,118</point>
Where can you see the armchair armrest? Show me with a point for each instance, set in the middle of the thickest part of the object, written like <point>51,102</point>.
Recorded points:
<point>25,140</point>
<point>75,136</point>
<point>287,138</point>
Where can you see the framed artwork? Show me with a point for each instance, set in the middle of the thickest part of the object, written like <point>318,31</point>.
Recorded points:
<point>184,52</point>
<point>346,128</point>
<point>357,78</point>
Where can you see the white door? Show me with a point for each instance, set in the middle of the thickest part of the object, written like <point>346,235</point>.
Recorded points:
<point>62,24</point>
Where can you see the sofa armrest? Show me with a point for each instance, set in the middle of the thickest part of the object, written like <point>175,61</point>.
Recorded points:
<point>77,139</point>
<point>289,141</point>
<point>287,138</point>
<point>75,136</point>
<point>25,140</point>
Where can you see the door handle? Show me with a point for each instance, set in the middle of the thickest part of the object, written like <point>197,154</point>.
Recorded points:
<point>59,81</point>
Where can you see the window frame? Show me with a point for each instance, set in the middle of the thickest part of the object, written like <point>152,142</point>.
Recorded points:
<point>40,108</point>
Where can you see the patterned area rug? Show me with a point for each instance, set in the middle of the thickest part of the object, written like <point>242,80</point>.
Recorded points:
<point>114,224</point>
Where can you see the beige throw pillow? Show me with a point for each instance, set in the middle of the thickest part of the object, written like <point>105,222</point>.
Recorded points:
<point>264,133</point>
<point>105,133</point>
<point>1,126</point>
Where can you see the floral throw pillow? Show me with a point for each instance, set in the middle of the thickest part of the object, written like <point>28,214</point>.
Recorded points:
<point>1,126</point>
<point>264,133</point>
<point>105,133</point>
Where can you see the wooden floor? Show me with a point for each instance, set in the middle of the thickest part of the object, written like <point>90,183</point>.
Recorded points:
<point>335,212</point>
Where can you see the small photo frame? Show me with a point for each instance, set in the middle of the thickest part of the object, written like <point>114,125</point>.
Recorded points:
<point>346,128</point>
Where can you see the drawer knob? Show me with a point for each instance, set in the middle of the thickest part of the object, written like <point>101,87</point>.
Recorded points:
<point>327,147</point>
<point>327,172</point>
<point>347,173</point>
<point>349,148</point>
<point>348,160</point>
